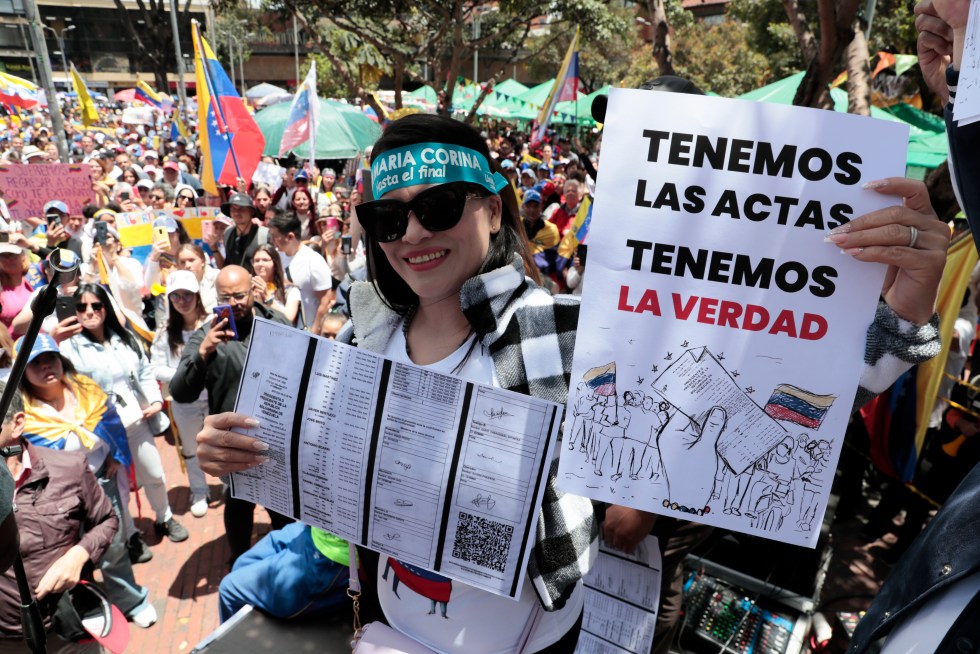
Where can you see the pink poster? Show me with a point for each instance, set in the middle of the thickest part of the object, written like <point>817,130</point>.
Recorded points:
<point>27,187</point>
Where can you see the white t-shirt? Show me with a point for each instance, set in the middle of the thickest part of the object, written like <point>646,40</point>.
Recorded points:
<point>310,273</point>
<point>472,621</point>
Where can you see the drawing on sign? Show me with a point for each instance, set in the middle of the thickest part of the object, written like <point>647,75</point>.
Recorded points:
<point>694,440</point>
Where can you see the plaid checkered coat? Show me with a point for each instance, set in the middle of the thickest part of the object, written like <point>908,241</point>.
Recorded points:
<point>531,337</point>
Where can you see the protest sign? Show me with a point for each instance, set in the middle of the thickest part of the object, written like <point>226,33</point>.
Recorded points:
<point>268,174</point>
<point>27,187</point>
<point>721,339</point>
<point>136,227</point>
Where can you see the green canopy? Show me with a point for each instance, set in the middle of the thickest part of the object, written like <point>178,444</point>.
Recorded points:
<point>344,131</point>
<point>927,139</point>
<point>510,87</point>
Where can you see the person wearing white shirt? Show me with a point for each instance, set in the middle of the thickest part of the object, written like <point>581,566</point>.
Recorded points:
<point>304,268</point>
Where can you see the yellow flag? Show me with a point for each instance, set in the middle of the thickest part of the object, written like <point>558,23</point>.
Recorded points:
<point>90,114</point>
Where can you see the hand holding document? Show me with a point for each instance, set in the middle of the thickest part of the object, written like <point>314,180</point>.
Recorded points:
<point>438,472</point>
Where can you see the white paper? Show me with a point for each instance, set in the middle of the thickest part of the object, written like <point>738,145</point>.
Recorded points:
<point>966,109</point>
<point>269,174</point>
<point>622,596</point>
<point>713,306</point>
<point>433,470</point>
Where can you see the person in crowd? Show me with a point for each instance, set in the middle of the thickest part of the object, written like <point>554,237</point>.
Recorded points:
<point>262,199</point>
<point>63,232</point>
<point>240,243</point>
<point>328,177</point>
<point>564,215</point>
<point>212,361</point>
<point>58,548</point>
<point>191,256</point>
<point>414,311</point>
<point>163,257</point>
<point>304,268</point>
<point>161,196</point>
<point>143,188</point>
<point>111,355</point>
<point>185,197</point>
<point>124,274</point>
<point>15,292</point>
<point>269,285</point>
<point>575,274</point>
<point>332,325</point>
<point>187,314</point>
<point>68,411</point>
<point>304,208</point>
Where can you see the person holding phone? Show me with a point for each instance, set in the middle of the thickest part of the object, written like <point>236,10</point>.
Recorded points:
<point>212,362</point>
<point>109,354</point>
<point>186,314</point>
<point>575,274</point>
<point>270,287</point>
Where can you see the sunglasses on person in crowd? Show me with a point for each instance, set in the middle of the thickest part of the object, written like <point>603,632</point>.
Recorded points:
<point>158,198</point>
<point>437,209</point>
<point>186,197</point>
<point>82,307</point>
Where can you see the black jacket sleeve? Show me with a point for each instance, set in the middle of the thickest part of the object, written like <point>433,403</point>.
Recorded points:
<point>964,160</point>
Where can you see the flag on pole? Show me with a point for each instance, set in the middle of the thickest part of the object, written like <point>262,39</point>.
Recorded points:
<point>231,142</point>
<point>178,128</point>
<point>564,88</point>
<point>17,92</point>
<point>145,93</point>
<point>90,115</point>
<point>302,122</point>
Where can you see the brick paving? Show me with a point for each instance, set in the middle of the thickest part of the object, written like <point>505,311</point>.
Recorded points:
<point>183,577</point>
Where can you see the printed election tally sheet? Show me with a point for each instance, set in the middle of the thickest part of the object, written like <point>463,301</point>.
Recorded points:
<point>436,471</point>
<point>622,593</point>
<point>721,337</point>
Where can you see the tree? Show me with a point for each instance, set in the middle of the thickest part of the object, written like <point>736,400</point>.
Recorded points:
<point>154,38</point>
<point>440,34</point>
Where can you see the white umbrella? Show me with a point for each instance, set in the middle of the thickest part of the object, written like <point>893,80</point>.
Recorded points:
<point>264,89</point>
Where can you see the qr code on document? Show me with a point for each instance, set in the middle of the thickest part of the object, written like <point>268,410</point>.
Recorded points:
<point>483,542</point>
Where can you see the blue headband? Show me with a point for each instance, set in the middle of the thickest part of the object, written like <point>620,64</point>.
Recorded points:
<point>432,163</point>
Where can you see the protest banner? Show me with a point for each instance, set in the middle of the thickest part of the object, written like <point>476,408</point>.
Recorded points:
<point>721,339</point>
<point>136,227</point>
<point>268,174</point>
<point>27,187</point>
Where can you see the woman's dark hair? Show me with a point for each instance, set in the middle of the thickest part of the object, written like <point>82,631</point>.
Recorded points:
<point>278,276</point>
<point>511,239</point>
<point>67,368</point>
<point>175,321</point>
<point>182,236</point>
<point>112,324</point>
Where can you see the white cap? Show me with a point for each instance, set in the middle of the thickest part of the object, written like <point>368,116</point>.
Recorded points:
<point>10,248</point>
<point>182,280</point>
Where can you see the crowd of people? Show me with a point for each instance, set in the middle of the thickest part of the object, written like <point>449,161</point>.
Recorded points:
<point>141,347</point>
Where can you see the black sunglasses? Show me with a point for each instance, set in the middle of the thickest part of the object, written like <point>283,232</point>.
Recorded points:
<point>82,307</point>
<point>437,209</point>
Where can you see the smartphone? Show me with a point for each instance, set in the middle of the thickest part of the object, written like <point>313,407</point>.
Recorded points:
<point>53,219</point>
<point>224,311</point>
<point>161,236</point>
<point>101,232</point>
<point>4,237</point>
<point>124,196</point>
<point>345,243</point>
<point>581,251</point>
<point>64,307</point>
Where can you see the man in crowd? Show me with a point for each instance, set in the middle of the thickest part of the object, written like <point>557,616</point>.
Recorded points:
<point>305,268</point>
<point>57,499</point>
<point>242,242</point>
<point>213,360</point>
<point>564,215</point>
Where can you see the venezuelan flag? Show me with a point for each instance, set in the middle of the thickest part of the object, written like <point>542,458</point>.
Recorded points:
<point>578,232</point>
<point>145,93</point>
<point>231,142</point>
<point>17,92</point>
<point>602,380</point>
<point>564,88</point>
<point>796,405</point>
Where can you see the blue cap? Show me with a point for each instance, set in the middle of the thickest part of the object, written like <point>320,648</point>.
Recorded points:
<point>544,166</point>
<point>166,221</point>
<point>301,174</point>
<point>506,164</point>
<point>57,205</point>
<point>532,196</point>
<point>44,343</point>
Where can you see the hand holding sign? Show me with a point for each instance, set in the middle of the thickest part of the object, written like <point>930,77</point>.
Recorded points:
<point>689,455</point>
<point>910,239</point>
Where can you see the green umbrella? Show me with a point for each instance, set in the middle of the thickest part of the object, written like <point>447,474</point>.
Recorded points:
<point>344,131</point>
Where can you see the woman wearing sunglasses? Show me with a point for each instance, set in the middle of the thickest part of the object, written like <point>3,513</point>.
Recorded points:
<point>109,354</point>
<point>186,314</point>
<point>185,197</point>
<point>432,251</point>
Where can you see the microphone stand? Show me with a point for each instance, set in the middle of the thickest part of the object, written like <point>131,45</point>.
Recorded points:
<point>62,267</point>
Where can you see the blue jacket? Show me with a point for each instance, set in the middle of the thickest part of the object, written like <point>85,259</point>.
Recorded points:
<point>947,551</point>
